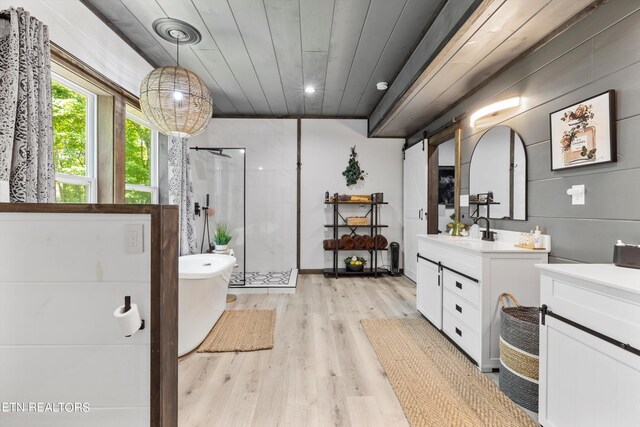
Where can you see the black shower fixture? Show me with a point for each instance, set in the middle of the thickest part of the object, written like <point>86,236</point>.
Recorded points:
<point>213,151</point>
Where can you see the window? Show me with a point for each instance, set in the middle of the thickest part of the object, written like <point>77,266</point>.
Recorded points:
<point>74,118</point>
<point>141,172</point>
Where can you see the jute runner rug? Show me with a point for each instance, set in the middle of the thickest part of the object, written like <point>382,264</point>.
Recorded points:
<point>436,385</point>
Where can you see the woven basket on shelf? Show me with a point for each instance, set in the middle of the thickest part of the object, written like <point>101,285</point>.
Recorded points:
<point>357,220</point>
<point>519,354</point>
<point>363,198</point>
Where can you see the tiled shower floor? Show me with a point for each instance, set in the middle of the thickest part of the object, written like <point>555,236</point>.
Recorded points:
<point>268,279</point>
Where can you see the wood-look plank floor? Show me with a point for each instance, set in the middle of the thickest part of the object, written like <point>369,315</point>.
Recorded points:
<point>322,370</point>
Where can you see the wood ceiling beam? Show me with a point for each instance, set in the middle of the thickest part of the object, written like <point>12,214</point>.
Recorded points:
<point>452,18</point>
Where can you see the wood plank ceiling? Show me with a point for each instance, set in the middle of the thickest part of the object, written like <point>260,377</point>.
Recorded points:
<point>257,56</point>
<point>497,32</point>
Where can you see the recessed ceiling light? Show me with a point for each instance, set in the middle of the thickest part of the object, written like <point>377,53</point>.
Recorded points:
<point>382,85</point>
<point>310,89</point>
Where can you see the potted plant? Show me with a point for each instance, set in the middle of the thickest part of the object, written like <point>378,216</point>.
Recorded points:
<point>355,263</point>
<point>457,228</point>
<point>222,237</point>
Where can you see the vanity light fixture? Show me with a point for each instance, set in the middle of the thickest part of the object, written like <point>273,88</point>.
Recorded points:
<point>309,89</point>
<point>494,108</point>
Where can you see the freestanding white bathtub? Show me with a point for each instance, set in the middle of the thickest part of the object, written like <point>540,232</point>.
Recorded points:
<point>204,280</point>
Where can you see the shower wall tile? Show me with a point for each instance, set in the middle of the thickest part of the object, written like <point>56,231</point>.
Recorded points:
<point>271,185</point>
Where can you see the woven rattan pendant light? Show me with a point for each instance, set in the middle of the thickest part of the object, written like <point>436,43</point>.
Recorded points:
<point>175,100</point>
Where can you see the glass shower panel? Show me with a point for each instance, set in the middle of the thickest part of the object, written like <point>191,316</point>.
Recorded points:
<point>219,173</point>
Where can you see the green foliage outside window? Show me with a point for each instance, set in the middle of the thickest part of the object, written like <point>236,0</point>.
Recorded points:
<point>138,161</point>
<point>138,197</point>
<point>70,147</point>
<point>70,193</point>
<point>69,140</point>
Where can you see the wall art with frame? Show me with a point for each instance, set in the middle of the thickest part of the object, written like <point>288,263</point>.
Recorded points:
<point>584,134</point>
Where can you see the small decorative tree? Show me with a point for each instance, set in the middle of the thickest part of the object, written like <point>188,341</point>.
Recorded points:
<point>353,173</point>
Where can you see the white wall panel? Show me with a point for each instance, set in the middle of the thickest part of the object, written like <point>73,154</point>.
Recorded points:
<point>61,278</point>
<point>74,306</point>
<point>326,145</point>
<point>44,242</point>
<point>98,417</point>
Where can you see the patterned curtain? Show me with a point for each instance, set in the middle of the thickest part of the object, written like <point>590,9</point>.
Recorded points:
<point>26,127</point>
<point>181,192</point>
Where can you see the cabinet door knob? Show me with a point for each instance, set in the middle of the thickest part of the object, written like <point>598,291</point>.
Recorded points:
<point>458,331</point>
<point>458,285</point>
<point>458,308</point>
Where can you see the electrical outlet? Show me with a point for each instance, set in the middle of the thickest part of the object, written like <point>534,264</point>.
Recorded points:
<point>133,239</point>
<point>577,194</point>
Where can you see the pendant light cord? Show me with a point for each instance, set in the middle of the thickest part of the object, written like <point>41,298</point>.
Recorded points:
<point>177,52</point>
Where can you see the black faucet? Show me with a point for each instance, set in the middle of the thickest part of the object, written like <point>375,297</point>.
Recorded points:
<point>487,234</point>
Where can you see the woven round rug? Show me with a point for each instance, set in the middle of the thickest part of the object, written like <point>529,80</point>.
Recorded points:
<point>436,384</point>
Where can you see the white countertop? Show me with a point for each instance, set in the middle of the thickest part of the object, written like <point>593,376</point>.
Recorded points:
<point>478,245</point>
<point>626,279</point>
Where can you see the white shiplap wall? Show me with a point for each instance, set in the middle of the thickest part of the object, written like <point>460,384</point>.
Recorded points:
<point>77,30</point>
<point>61,278</point>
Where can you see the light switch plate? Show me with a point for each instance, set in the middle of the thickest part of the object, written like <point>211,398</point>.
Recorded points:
<point>464,200</point>
<point>133,239</point>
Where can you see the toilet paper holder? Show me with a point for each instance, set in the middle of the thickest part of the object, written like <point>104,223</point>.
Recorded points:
<point>127,307</point>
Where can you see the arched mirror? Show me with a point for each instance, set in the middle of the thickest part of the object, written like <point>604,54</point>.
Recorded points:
<point>498,176</point>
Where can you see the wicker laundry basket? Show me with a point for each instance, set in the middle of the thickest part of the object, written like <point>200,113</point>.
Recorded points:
<point>519,354</point>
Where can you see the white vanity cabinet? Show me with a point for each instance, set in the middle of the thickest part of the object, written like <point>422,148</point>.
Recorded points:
<point>429,295</point>
<point>459,282</point>
<point>589,346</point>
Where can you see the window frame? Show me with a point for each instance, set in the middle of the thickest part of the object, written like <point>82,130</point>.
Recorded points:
<point>153,188</point>
<point>90,179</point>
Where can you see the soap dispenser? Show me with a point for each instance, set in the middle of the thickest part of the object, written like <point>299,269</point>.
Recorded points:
<point>474,231</point>
<point>537,238</point>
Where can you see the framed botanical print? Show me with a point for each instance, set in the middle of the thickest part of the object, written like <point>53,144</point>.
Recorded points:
<point>584,133</point>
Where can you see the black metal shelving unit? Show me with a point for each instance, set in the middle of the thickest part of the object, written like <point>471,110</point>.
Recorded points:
<point>339,221</point>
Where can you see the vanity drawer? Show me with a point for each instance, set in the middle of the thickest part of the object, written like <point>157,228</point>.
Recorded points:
<point>462,287</point>
<point>462,334</point>
<point>461,309</point>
